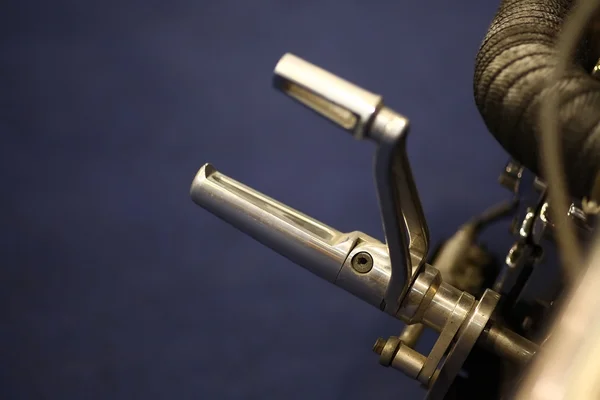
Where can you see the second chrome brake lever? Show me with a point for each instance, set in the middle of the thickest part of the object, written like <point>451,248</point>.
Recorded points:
<point>363,114</point>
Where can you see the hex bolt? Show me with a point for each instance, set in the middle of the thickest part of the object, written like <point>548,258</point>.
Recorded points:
<point>362,262</point>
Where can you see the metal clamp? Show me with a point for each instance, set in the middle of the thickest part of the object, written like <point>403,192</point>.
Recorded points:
<point>362,113</point>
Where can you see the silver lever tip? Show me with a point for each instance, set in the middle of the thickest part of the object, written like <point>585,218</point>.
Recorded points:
<point>332,97</point>
<point>202,175</point>
<point>302,239</point>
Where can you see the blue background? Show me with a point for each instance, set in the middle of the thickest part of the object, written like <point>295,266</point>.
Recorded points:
<point>115,285</point>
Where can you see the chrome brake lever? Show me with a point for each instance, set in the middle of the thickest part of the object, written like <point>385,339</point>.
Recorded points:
<point>363,114</point>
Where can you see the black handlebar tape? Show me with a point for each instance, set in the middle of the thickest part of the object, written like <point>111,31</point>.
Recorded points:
<point>511,78</point>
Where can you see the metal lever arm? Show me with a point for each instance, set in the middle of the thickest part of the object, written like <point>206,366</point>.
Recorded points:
<point>362,113</point>
<point>326,252</point>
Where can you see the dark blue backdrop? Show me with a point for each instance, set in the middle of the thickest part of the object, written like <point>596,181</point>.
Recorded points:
<point>115,286</point>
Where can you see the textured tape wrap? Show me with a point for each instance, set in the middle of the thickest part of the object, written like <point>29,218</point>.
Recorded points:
<point>511,77</point>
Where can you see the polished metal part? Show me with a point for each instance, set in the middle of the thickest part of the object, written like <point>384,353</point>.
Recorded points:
<point>369,286</point>
<point>458,263</point>
<point>530,190</point>
<point>467,337</point>
<point>303,240</point>
<point>508,345</point>
<point>387,350</point>
<point>317,247</point>
<point>409,361</point>
<point>442,306</point>
<point>406,230</point>
<point>461,309</point>
<point>330,254</point>
<point>336,99</point>
<point>411,334</point>
<point>362,113</point>
<point>420,295</point>
<point>393,276</point>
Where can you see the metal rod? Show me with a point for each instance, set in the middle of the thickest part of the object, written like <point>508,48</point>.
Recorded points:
<point>411,334</point>
<point>304,240</point>
<point>341,102</point>
<point>330,254</point>
<point>507,344</point>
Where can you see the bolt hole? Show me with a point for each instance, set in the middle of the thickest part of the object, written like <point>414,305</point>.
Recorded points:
<point>362,262</point>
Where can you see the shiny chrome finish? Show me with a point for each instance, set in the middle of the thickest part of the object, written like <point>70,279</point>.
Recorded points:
<point>409,361</point>
<point>330,254</point>
<point>461,309</point>
<point>404,224</point>
<point>369,286</point>
<point>334,98</point>
<point>394,276</point>
<point>317,247</point>
<point>420,295</point>
<point>362,113</point>
<point>305,241</point>
<point>442,306</point>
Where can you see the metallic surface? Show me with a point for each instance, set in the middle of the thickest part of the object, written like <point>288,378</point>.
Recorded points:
<point>336,99</point>
<point>508,345</point>
<point>319,248</point>
<point>442,306</point>
<point>387,350</point>
<point>369,286</point>
<point>184,247</point>
<point>461,309</point>
<point>305,241</point>
<point>420,295</point>
<point>362,113</point>
<point>467,337</point>
<point>411,333</point>
<point>403,220</point>
<point>332,255</point>
<point>329,254</point>
<point>409,361</point>
<point>392,277</point>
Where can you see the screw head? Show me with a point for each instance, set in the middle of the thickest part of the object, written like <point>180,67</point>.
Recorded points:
<point>362,262</point>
